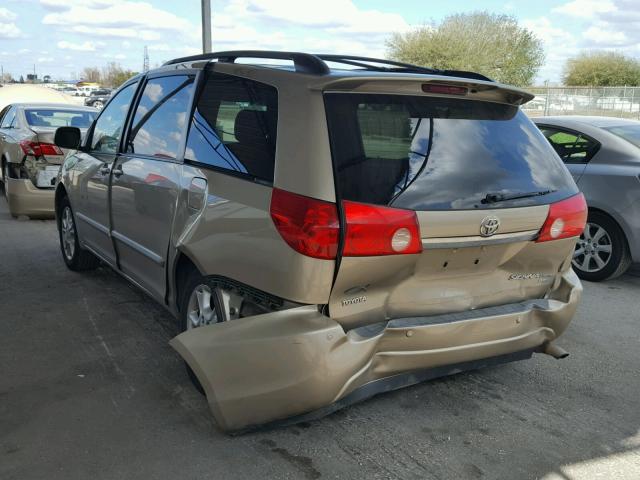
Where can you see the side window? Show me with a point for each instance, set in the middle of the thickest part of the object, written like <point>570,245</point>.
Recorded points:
<point>161,117</point>
<point>108,128</point>
<point>9,118</point>
<point>571,147</point>
<point>234,126</point>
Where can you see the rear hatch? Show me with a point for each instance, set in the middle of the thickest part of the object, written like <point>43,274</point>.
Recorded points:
<point>442,199</point>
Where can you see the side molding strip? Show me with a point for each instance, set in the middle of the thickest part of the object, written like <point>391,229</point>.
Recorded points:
<point>154,257</point>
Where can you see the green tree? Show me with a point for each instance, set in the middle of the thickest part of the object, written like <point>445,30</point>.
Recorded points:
<point>91,74</point>
<point>602,69</point>
<point>491,44</point>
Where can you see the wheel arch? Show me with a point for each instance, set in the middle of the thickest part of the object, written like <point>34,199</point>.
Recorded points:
<point>615,220</point>
<point>183,265</point>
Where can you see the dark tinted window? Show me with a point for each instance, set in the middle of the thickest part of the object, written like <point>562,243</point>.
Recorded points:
<point>234,127</point>
<point>427,153</point>
<point>59,118</point>
<point>161,117</point>
<point>9,118</point>
<point>571,147</point>
<point>108,127</point>
<point>631,133</point>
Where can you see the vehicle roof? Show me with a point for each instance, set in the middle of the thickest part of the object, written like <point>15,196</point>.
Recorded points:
<point>577,120</point>
<point>325,77</point>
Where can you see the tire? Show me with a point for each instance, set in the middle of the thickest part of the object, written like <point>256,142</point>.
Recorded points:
<point>99,104</point>
<point>75,257</point>
<point>602,252</point>
<point>192,315</point>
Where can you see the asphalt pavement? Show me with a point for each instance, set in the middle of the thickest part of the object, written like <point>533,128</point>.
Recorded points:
<point>90,389</point>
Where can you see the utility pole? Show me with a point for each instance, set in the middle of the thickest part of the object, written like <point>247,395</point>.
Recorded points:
<point>206,26</point>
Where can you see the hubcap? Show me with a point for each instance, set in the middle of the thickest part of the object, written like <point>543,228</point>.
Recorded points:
<point>68,233</point>
<point>201,310</point>
<point>593,250</point>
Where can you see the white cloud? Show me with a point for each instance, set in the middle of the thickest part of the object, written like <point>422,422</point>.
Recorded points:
<point>8,29</point>
<point>120,19</point>
<point>586,8</point>
<point>7,15</point>
<point>79,47</point>
<point>45,60</point>
<point>602,36</point>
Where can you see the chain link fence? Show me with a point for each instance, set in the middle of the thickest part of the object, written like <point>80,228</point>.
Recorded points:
<point>621,102</point>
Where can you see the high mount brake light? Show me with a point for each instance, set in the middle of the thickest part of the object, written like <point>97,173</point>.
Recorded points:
<point>374,230</point>
<point>311,227</point>
<point>38,148</point>
<point>444,89</point>
<point>566,218</point>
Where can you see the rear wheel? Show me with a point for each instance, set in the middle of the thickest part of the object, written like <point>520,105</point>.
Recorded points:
<point>75,257</point>
<point>98,104</point>
<point>200,305</point>
<point>602,251</point>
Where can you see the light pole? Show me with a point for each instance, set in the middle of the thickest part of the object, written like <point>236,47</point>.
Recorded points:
<point>206,26</point>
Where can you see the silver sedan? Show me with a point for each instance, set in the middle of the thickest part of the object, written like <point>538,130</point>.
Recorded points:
<point>603,155</point>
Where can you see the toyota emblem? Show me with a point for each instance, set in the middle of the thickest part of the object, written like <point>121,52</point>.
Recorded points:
<point>489,226</point>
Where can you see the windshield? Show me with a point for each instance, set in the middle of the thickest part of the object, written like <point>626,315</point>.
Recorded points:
<point>433,153</point>
<point>631,133</point>
<point>59,118</point>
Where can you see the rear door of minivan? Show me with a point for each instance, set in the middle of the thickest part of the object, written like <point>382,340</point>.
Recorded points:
<point>442,198</point>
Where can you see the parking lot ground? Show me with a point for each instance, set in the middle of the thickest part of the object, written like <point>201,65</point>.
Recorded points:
<point>90,389</point>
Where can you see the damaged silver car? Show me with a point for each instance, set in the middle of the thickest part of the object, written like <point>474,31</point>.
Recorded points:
<point>326,228</point>
<point>29,160</point>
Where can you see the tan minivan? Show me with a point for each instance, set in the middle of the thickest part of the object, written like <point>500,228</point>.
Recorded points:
<point>326,228</point>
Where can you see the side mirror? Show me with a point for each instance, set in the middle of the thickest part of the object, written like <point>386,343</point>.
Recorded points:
<point>68,137</point>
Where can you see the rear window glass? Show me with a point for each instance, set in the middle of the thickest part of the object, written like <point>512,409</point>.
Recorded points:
<point>428,153</point>
<point>59,118</point>
<point>631,133</point>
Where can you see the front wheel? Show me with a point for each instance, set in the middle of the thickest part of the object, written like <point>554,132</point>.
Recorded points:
<point>602,252</point>
<point>75,257</point>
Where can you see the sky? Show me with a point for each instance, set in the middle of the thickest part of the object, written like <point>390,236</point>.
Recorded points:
<point>61,37</point>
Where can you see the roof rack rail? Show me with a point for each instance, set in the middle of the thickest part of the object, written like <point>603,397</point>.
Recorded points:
<point>315,64</point>
<point>398,66</point>
<point>303,62</point>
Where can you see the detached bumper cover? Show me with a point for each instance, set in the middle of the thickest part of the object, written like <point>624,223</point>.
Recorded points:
<point>270,367</point>
<point>27,199</point>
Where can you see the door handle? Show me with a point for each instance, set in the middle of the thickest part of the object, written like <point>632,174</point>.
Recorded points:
<point>104,169</point>
<point>117,171</point>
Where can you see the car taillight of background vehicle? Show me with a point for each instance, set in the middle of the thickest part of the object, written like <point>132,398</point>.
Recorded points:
<point>311,227</point>
<point>566,218</point>
<point>38,149</point>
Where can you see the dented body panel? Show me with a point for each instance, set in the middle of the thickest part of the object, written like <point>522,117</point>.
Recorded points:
<point>270,367</point>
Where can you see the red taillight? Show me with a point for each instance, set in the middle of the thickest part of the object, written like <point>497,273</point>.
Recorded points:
<point>309,226</point>
<point>444,89</point>
<point>38,149</point>
<point>374,230</point>
<point>566,218</point>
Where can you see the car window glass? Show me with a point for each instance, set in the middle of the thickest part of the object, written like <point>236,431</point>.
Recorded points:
<point>234,127</point>
<point>108,127</point>
<point>571,147</point>
<point>161,116</point>
<point>3,112</point>
<point>46,117</point>
<point>9,118</point>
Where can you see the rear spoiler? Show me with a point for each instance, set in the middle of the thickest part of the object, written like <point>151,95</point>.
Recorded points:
<point>410,84</point>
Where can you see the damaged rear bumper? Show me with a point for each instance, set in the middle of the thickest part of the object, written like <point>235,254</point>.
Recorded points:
<point>298,363</point>
<point>27,199</point>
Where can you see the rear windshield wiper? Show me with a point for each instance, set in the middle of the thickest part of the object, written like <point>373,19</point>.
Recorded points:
<point>501,197</point>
